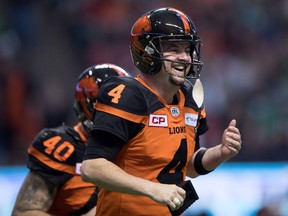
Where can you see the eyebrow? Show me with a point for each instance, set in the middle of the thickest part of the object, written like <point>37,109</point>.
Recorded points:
<point>170,44</point>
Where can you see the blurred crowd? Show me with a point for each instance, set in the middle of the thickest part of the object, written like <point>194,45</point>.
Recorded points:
<point>45,45</point>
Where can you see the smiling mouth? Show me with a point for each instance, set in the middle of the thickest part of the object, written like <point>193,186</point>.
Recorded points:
<point>179,68</point>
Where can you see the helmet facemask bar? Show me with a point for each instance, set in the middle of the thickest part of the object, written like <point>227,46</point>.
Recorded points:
<point>197,64</point>
<point>85,121</point>
<point>85,109</point>
<point>155,44</point>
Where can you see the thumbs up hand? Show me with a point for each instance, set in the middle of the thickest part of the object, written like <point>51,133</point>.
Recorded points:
<point>231,141</point>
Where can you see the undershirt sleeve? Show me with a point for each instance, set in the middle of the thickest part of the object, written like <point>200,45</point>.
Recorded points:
<point>203,128</point>
<point>103,144</point>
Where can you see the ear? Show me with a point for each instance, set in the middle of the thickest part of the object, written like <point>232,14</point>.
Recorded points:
<point>198,93</point>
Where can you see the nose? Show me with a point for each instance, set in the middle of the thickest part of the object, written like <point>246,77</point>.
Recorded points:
<point>184,56</point>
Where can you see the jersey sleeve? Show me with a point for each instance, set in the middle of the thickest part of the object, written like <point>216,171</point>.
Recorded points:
<point>120,108</point>
<point>123,93</point>
<point>203,124</point>
<point>49,156</point>
<point>120,111</point>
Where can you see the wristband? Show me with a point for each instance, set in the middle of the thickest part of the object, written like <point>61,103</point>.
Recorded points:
<point>198,165</point>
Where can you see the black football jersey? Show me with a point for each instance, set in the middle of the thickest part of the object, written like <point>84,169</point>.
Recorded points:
<point>56,154</point>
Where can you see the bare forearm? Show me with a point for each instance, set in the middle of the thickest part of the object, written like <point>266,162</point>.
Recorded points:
<point>107,175</point>
<point>213,158</point>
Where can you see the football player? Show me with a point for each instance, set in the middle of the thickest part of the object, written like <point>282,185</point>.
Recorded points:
<point>53,185</point>
<point>145,137</point>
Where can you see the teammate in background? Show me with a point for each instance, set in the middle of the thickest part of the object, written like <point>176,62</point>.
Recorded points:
<point>145,137</point>
<point>53,185</point>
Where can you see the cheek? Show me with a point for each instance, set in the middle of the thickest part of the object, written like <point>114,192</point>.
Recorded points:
<point>189,58</point>
<point>167,56</point>
<point>167,64</point>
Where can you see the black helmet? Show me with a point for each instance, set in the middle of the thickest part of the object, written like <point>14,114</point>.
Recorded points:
<point>87,87</point>
<point>158,25</point>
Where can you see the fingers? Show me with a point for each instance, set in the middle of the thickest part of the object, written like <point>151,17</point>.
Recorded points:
<point>233,132</point>
<point>233,123</point>
<point>233,129</point>
<point>176,203</point>
<point>232,139</point>
<point>233,136</point>
<point>177,200</point>
<point>234,146</point>
<point>181,192</point>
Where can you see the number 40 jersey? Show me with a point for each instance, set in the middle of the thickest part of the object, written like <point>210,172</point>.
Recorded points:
<point>56,154</point>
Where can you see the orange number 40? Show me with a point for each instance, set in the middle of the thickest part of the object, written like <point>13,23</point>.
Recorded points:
<point>57,151</point>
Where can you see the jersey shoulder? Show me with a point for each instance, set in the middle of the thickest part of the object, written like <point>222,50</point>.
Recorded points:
<point>58,144</point>
<point>127,94</point>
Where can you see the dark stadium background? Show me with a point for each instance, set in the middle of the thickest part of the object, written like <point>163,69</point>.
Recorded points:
<point>44,45</point>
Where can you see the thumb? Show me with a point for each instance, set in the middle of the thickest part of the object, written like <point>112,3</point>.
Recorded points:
<point>232,123</point>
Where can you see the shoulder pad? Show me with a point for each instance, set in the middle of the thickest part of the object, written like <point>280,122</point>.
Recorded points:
<point>125,93</point>
<point>61,130</point>
<point>48,140</point>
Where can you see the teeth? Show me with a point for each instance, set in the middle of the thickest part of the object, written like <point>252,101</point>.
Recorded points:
<point>179,68</point>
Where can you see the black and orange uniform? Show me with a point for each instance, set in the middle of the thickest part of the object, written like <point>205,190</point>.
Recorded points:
<point>144,136</point>
<point>56,154</point>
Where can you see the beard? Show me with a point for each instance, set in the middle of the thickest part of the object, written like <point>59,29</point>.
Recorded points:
<point>177,81</point>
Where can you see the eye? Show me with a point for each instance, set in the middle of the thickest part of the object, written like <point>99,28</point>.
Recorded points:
<point>187,50</point>
<point>173,49</point>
